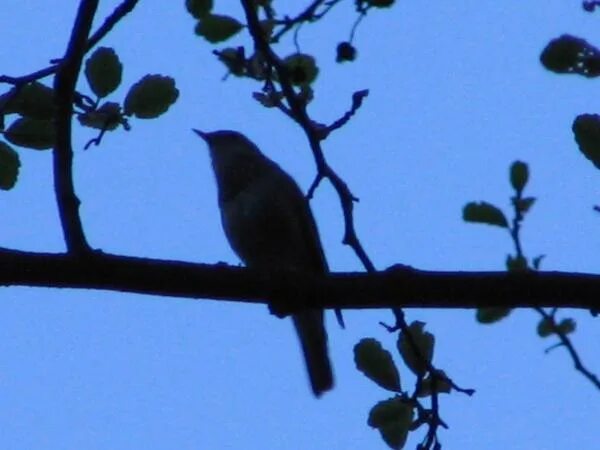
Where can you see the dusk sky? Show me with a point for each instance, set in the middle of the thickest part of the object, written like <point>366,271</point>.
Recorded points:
<point>457,93</point>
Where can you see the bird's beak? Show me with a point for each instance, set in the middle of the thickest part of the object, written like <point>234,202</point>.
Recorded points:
<point>202,134</point>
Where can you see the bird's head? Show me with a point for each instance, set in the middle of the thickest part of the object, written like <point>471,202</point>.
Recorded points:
<point>236,160</point>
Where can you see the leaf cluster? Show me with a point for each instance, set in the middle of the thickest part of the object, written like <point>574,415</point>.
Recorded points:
<point>34,106</point>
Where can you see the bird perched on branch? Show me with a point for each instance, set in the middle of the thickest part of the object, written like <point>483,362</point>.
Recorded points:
<point>268,223</point>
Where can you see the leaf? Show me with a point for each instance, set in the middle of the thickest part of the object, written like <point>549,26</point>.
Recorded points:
<point>537,261</point>
<point>199,8</point>
<point>586,128</point>
<point>234,59</point>
<point>266,28</point>
<point>392,417</point>
<point>103,71</point>
<point>567,326</point>
<point>442,384</point>
<point>519,175</point>
<point>524,204</point>
<point>257,67</point>
<point>217,28</point>
<point>37,134</point>
<point>9,166</point>
<point>107,117</point>
<point>151,96</point>
<point>418,362</point>
<point>545,327</point>
<point>377,364</point>
<point>34,100</point>
<point>301,68</point>
<point>570,54</point>
<point>484,212</point>
<point>492,314</point>
<point>270,100</point>
<point>516,263</point>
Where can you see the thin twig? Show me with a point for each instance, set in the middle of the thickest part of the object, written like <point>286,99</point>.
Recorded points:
<point>298,112</point>
<point>308,15</point>
<point>37,75</point>
<point>566,342</point>
<point>515,232</point>
<point>357,100</point>
<point>119,12</point>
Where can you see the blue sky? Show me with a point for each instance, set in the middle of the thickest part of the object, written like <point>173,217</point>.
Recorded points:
<point>456,94</point>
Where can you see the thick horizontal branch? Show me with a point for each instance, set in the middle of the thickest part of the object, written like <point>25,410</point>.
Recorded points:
<point>397,287</point>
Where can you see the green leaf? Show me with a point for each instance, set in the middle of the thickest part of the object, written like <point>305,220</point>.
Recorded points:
<point>516,263</point>
<point>103,71</point>
<point>537,262</point>
<point>266,27</point>
<point>567,326</point>
<point>217,28</point>
<point>441,385</point>
<point>6,101</point>
<point>107,117</point>
<point>523,204</point>
<point>34,100</point>
<point>492,314</point>
<point>270,100</point>
<point>257,67</point>
<point>418,361</point>
<point>545,328</point>
<point>151,96</point>
<point>234,59</point>
<point>301,68</point>
<point>37,134</point>
<point>9,166</point>
<point>519,175</point>
<point>392,417</point>
<point>199,8</point>
<point>484,212</point>
<point>586,128</point>
<point>377,364</point>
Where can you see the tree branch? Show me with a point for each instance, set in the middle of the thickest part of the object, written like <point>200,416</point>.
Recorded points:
<point>297,108</point>
<point>308,15</point>
<point>119,12</point>
<point>64,85</point>
<point>395,287</point>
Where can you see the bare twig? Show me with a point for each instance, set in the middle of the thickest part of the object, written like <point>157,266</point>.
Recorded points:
<point>118,13</point>
<point>357,99</point>
<point>308,15</point>
<point>37,75</point>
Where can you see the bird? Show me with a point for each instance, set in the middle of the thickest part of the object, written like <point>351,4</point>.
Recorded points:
<point>269,224</point>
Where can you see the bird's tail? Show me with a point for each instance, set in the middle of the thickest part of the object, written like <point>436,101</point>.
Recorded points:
<point>313,338</point>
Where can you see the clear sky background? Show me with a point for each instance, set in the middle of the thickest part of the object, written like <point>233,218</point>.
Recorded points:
<point>456,94</point>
